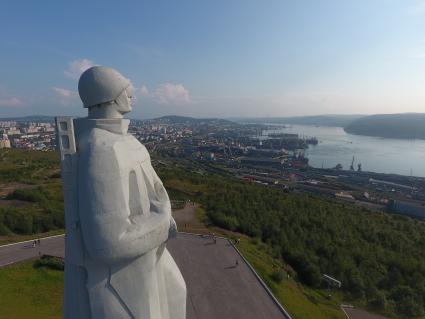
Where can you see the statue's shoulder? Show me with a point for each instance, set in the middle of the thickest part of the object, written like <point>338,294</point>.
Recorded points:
<point>99,140</point>
<point>105,146</point>
<point>129,146</point>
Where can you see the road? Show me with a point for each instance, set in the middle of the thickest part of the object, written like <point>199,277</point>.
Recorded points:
<point>13,253</point>
<point>217,287</point>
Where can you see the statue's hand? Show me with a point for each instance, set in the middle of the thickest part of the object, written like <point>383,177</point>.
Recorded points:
<point>160,207</point>
<point>172,233</point>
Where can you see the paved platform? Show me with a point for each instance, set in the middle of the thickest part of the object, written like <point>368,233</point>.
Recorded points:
<point>354,313</point>
<point>218,288</point>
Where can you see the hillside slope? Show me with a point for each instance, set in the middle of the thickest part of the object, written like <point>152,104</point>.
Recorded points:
<point>406,126</point>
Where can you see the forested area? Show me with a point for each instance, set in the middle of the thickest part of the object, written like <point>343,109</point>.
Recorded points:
<point>378,257</point>
<point>405,125</point>
<point>40,210</point>
<point>32,193</point>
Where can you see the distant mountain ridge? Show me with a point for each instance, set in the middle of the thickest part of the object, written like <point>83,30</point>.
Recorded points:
<point>319,120</point>
<point>177,119</point>
<point>404,125</point>
<point>30,118</point>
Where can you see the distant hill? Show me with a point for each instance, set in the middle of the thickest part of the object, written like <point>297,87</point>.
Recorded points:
<point>319,120</point>
<point>406,126</point>
<point>30,118</point>
<point>176,119</point>
<point>172,119</point>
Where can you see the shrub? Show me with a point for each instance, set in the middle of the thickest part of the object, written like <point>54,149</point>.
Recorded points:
<point>49,262</point>
<point>277,275</point>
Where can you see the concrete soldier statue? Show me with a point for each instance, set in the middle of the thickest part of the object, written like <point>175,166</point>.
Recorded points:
<point>118,214</point>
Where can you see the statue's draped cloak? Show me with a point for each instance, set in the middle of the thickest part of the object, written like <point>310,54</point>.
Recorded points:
<point>125,216</point>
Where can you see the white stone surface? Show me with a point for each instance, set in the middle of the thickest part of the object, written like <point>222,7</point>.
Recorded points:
<point>100,85</point>
<point>118,218</point>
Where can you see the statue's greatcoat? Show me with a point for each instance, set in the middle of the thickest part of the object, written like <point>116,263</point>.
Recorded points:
<point>125,217</point>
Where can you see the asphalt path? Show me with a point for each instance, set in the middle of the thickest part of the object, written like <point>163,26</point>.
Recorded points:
<point>13,253</point>
<point>354,313</point>
<point>217,286</point>
<point>219,283</point>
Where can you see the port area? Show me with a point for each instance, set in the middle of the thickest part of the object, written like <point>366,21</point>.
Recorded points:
<point>262,154</point>
<point>384,192</point>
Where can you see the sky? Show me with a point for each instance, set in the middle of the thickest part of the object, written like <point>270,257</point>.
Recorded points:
<point>221,58</point>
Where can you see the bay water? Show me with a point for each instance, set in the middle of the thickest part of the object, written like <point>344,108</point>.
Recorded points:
<point>382,155</point>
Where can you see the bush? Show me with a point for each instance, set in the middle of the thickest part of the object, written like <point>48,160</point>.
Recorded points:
<point>224,221</point>
<point>277,275</point>
<point>28,195</point>
<point>378,301</point>
<point>255,241</point>
<point>49,262</point>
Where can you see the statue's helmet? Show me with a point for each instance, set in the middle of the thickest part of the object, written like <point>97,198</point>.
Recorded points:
<point>101,84</point>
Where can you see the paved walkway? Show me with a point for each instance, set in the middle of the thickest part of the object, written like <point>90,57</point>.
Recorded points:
<point>13,253</point>
<point>217,286</point>
<point>354,313</point>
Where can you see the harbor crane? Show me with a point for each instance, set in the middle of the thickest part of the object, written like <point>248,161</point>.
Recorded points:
<point>352,165</point>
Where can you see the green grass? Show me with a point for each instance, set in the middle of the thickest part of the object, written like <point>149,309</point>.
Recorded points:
<point>27,292</point>
<point>28,167</point>
<point>299,301</point>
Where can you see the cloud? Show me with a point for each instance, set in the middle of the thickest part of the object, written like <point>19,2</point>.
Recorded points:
<point>417,9</point>
<point>64,92</point>
<point>165,94</point>
<point>75,68</point>
<point>65,97</point>
<point>169,93</point>
<point>11,102</point>
<point>143,91</point>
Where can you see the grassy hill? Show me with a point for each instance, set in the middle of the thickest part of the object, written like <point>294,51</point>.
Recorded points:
<point>31,199</point>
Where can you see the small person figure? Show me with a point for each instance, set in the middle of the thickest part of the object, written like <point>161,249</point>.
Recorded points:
<point>39,242</point>
<point>33,244</point>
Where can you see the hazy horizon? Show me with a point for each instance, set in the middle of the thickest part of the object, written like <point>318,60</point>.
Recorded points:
<point>219,59</point>
<point>129,116</point>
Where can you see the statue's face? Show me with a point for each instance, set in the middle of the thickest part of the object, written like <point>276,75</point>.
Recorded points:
<point>129,93</point>
<point>124,101</point>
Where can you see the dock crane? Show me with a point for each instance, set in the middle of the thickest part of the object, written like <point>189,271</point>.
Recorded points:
<point>352,165</point>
